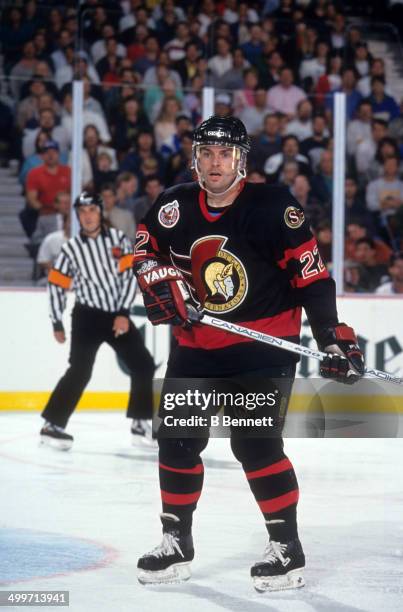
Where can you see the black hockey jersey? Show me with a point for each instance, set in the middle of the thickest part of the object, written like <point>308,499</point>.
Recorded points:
<point>254,262</point>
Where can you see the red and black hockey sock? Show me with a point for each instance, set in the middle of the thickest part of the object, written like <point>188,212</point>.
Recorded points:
<point>275,488</point>
<point>181,481</point>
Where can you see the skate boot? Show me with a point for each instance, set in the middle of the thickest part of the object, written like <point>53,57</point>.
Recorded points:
<point>281,567</point>
<point>170,561</point>
<point>56,437</point>
<point>142,433</point>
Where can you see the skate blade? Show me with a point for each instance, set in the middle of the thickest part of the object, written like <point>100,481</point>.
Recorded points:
<point>63,445</point>
<point>176,573</point>
<point>292,580</point>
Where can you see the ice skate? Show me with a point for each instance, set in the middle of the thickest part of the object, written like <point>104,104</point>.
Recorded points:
<point>170,561</point>
<point>281,567</point>
<point>142,433</point>
<point>56,437</point>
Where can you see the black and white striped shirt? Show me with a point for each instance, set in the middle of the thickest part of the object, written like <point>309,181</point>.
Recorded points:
<point>99,270</point>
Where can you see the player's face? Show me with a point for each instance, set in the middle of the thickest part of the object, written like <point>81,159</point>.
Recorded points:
<point>90,219</point>
<point>218,166</point>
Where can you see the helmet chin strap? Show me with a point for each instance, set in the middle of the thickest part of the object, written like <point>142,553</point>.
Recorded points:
<point>240,176</point>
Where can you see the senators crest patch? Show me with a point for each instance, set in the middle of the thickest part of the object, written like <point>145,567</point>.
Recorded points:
<point>220,277</point>
<point>294,217</point>
<point>168,214</point>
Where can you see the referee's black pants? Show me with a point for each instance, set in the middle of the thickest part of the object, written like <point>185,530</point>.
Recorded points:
<point>90,328</point>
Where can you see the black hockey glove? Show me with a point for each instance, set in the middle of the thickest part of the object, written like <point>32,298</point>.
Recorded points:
<point>165,295</point>
<point>345,361</point>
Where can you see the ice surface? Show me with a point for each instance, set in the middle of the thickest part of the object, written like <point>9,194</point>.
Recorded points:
<point>78,521</point>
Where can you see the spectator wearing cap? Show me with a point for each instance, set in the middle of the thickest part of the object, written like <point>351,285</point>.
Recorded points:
<point>284,97</point>
<point>383,106</point>
<point>36,159</point>
<point>46,181</point>
<point>47,123</point>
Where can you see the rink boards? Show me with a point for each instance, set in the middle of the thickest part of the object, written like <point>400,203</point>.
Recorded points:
<point>32,361</point>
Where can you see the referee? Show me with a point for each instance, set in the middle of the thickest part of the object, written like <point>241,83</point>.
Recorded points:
<point>97,265</point>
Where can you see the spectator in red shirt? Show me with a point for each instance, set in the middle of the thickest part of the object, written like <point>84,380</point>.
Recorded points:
<point>46,181</point>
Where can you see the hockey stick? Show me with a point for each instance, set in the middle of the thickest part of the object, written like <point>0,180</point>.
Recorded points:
<point>252,334</point>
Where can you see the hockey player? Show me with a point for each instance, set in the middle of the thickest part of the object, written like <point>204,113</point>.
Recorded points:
<point>247,255</point>
<point>97,264</point>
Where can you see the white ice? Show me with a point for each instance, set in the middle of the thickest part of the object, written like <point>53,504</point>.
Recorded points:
<point>104,495</point>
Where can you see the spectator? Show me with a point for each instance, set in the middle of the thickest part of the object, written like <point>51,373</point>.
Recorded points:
<point>269,68</point>
<point>352,276</point>
<point>51,246</point>
<point>288,174</point>
<point>118,218</point>
<point>144,149</point>
<point>223,105</point>
<point>77,66</point>
<point>126,190</point>
<point>155,93</point>
<point>188,66</point>
<point>338,33</point>
<point>322,180</point>
<point>362,59</point>
<point>58,57</point>
<point>387,147</point>
<point>253,116</point>
<point>166,24</point>
<point>165,127</point>
<point>153,77</point>
<point>99,49</point>
<point>35,160</point>
<point>52,222</point>
<point>329,82</point>
<point>285,96</point>
<point>366,149</point>
<point>356,229</point>
<point>128,125</point>
<point>136,48</point>
<point>267,143</point>
<point>245,97</point>
<point>23,69</point>
<point>386,193</point>
<point>192,101</point>
<point>354,202</point>
<point>353,96</point>
<point>289,152</point>
<point>324,238</point>
<point>314,66</point>
<point>220,63</point>
<point>108,66</point>
<point>234,77</point>
<point>150,57</point>
<point>89,118</point>
<point>254,47</point>
<point>7,134</point>
<point>152,189</point>
<point>103,172</point>
<point>46,181</point>
<point>173,144</point>
<point>28,107</point>
<point>395,270</point>
<point>256,176</point>
<point>179,164</point>
<point>313,147</point>
<point>377,69</point>
<point>176,46</point>
<point>301,126</point>
<point>383,106</point>
<point>372,274</point>
<point>47,123</point>
<point>359,129</point>
<point>313,209</point>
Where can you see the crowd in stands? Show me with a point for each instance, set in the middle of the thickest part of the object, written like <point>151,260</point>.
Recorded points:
<point>276,64</point>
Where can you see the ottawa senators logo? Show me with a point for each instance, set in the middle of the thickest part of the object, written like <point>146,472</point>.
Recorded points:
<point>168,214</point>
<point>220,279</point>
<point>293,217</point>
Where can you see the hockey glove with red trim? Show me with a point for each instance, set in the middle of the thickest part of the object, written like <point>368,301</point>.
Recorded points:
<point>165,295</point>
<point>345,361</point>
